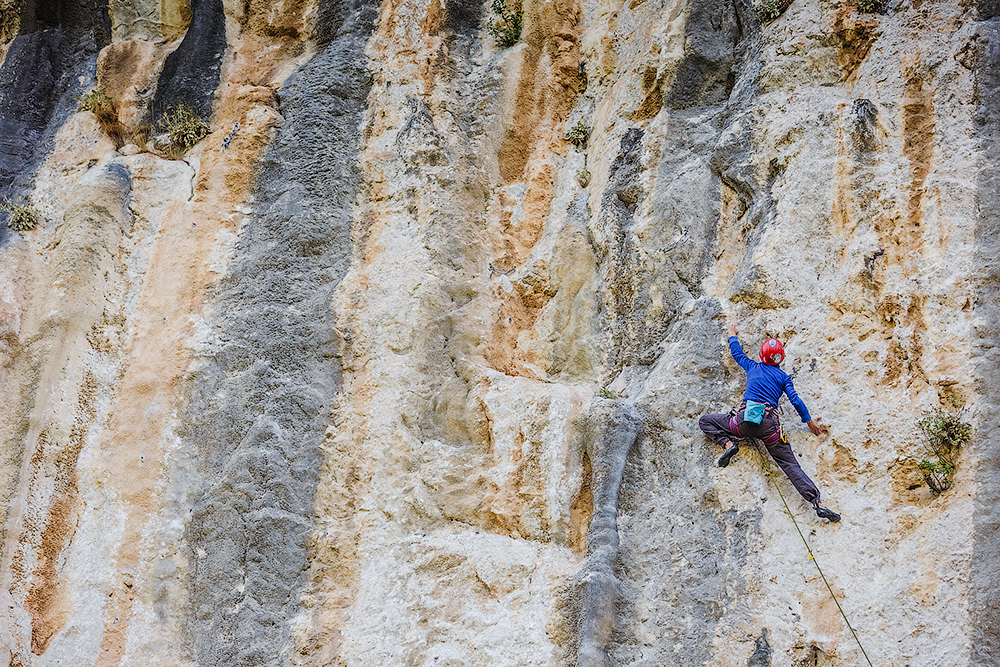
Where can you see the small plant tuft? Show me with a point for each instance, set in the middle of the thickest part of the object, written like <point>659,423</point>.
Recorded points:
<point>23,216</point>
<point>506,31</point>
<point>141,133</point>
<point>945,433</point>
<point>768,10</point>
<point>604,392</point>
<point>101,105</point>
<point>938,473</point>
<point>871,6</point>
<point>578,134</point>
<point>184,126</point>
<point>98,102</point>
<point>583,177</point>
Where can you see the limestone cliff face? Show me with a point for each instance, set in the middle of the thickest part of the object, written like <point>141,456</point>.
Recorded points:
<point>387,371</point>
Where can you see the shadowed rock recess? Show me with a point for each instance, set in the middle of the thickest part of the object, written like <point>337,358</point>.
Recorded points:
<point>402,362</point>
<point>190,74</point>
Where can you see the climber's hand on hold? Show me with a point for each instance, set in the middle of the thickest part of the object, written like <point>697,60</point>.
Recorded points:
<point>732,329</point>
<point>815,427</point>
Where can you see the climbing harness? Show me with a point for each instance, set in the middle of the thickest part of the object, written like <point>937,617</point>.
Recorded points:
<point>768,409</point>
<point>767,469</point>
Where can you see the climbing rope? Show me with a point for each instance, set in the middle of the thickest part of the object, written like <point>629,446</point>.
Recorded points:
<point>767,469</point>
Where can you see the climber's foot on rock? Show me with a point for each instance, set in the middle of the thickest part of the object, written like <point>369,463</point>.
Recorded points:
<point>728,456</point>
<point>824,513</point>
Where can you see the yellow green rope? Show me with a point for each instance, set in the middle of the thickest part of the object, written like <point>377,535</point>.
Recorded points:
<point>767,469</point>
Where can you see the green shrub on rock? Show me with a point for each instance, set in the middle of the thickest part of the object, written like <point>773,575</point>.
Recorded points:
<point>945,433</point>
<point>871,6</point>
<point>768,10</point>
<point>23,214</point>
<point>104,107</point>
<point>507,31</point>
<point>578,134</point>
<point>184,126</point>
<point>98,102</point>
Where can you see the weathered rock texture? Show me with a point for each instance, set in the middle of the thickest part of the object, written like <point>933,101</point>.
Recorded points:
<point>386,371</point>
<point>49,51</point>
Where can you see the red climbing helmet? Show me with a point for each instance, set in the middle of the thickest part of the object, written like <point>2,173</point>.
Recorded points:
<point>772,352</point>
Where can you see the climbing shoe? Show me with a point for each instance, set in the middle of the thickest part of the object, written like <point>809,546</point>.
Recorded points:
<point>829,515</point>
<point>728,456</point>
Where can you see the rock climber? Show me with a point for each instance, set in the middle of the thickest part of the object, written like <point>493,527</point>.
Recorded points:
<point>757,417</point>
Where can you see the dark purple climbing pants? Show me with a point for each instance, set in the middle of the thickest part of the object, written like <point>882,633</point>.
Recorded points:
<point>720,428</point>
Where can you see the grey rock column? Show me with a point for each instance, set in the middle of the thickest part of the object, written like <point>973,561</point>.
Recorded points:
<point>262,399</point>
<point>610,428</point>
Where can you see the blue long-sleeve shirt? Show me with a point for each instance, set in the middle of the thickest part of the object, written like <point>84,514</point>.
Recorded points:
<point>766,383</point>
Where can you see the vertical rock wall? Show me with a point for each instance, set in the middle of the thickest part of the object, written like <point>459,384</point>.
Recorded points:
<point>385,370</point>
<point>984,54</point>
<point>264,388</point>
